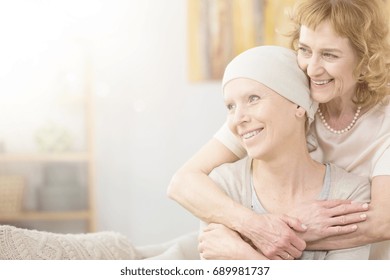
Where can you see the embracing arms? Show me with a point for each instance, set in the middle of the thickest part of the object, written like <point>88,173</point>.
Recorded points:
<point>194,190</point>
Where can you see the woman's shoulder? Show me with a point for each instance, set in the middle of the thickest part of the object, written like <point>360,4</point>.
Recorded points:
<point>234,169</point>
<point>347,185</point>
<point>376,119</point>
<point>382,108</point>
<point>234,179</point>
<point>235,174</point>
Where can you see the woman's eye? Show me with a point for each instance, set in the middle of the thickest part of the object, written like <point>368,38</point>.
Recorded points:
<point>254,98</point>
<point>304,51</point>
<point>230,106</point>
<point>329,56</point>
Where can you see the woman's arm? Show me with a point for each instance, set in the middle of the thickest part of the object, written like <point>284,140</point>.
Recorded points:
<point>378,226</point>
<point>273,235</point>
<point>217,242</point>
<point>194,190</point>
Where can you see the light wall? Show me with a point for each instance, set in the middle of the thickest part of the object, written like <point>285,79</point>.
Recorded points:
<point>148,118</point>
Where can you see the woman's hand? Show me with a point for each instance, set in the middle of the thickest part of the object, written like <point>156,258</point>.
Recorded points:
<point>274,235</point>
<point>218,242</point>
<point>329,218</point>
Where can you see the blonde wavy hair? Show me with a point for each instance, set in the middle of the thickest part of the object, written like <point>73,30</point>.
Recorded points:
<point>365,24</point>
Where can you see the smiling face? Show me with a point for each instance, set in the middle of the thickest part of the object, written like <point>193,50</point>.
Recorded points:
<point>329,60</point>
<point>261,118</point>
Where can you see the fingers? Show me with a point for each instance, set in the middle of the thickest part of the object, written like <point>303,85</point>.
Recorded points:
<point>345,209</point>
<point>285,256</point>
<point>294,223</point>
<point>293,253</point>
<point>344,224</point>
<point>290,244</point>
<point>298,243</point>
<point>348,219</point>
<point>339,230</point>
<point>288,257</point>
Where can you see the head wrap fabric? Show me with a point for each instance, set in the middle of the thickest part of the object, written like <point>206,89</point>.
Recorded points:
<point>276,68</point>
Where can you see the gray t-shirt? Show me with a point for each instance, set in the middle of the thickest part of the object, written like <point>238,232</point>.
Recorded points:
<point>235,180</point>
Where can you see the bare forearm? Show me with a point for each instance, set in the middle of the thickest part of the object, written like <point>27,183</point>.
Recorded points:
<point>192,188</point>
<point>204,199</point>
<point>272,234</point>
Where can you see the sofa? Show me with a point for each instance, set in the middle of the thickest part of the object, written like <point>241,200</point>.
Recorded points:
<point>26,244</point>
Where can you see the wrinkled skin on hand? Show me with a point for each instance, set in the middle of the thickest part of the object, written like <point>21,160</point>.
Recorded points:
<point>279,236</point>
<point>275,235</point>
<point>329,218</point>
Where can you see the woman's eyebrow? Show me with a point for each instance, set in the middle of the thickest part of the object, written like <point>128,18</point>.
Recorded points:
<point>322,49</point>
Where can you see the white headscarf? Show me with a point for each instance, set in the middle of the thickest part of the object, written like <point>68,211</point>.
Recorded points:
<point>277,68</point>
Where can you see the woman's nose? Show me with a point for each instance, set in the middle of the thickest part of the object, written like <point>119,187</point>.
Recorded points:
<point>241,115</point>
<point>314,67</point>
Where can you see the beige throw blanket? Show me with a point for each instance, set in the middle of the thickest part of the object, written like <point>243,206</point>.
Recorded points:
<point>25,244</point>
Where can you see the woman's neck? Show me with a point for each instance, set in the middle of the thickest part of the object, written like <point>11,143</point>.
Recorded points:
<point>339,112</point>
<point>291,179</point>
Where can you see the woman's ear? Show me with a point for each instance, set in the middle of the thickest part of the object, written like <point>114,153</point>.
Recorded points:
<point>300,112</point>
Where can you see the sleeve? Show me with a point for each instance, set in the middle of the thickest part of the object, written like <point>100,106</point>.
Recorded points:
<point>382,166</point>
<point>349,186</point>
<point>227,138</point>
<point>362,191</point>
<point>230,178</point>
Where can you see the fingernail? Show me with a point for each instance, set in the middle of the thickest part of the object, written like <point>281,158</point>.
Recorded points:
<point>354,227</point>
<point>304,226</point>
<point>363,216</point>
<point>365,206</point>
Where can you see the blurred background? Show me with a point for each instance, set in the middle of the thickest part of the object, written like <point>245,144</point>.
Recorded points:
<point>147,118</point>
<point>99,108</point>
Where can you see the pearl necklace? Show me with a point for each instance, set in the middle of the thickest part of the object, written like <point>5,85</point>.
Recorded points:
<point>342,130</point>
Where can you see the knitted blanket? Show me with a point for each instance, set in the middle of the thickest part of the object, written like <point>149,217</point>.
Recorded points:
<point>25,244</point>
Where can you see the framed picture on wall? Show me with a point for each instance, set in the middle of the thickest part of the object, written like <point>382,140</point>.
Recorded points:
<point>218,30</point>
